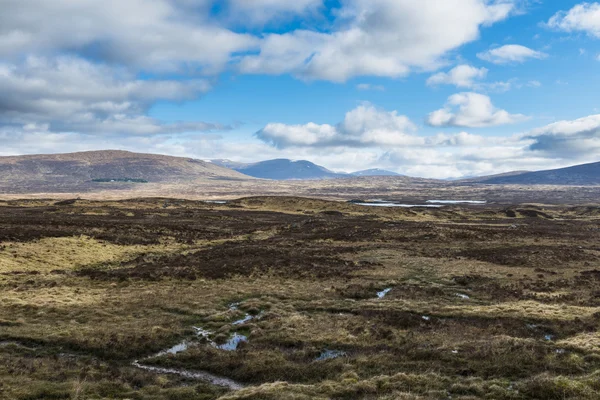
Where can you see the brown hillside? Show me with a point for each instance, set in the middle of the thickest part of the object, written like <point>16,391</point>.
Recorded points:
<point>78,171</point>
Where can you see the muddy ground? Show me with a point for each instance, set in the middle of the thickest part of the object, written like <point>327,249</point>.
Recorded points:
<point>324,300</point>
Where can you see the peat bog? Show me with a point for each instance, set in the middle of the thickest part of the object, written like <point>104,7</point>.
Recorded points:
<point>293,298</point>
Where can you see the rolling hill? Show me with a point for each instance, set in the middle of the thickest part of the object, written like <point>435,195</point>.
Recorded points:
<point>374,172</point>
<point>578,175</point>
<point>282,169</point>
<point>86,170</point>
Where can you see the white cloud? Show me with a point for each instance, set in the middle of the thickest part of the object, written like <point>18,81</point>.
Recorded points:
<point>70,94</point>
<point>511,53</point>
<point>497,87</point>
<point>156,35</point>
<point>463,76</point>
<point>440,156</point>
<point>584,17</point>
<point>363,126</point>
<point>367,37</point>
<point>472,110</point>
<point>460,139</point>
<point>467,76</point>
<point>368,86</point>
<point>379,38</point>
<point>568,139</point>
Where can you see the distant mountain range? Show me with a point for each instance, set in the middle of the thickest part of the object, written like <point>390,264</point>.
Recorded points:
<point>374,172</point>
<point>586,174</point>
<point>281,169</point>
<point>100,170</point>
<point>284,169</point>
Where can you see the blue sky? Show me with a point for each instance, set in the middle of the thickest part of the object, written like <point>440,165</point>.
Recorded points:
<point>435,88</point>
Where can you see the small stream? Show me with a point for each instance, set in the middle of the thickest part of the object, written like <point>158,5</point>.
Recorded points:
<point>231,345</point>
<point>196,375</point>
<point>330,355</point>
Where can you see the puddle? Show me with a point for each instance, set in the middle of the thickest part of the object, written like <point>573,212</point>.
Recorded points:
<point>330,355</point>
<point>462,296</point>
<point>549,338</point>
<point>398,205</point>
<point>202,376</point>
<point>383,293</point>
<point>9,343</point>
<point>196,375</point>
<point>247,318</point>
<point>215,201</point>
<point>233,343</point>
<point>457,202</point>
<point>183,346</point>
<point>178,348</point>
<point>426,318</point>
<point>201,332</point>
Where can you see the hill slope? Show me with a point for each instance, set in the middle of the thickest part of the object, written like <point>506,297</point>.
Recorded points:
<point>480,179</point>
<point>81,171</point>
<point>374,172</point>
<point>282,169</point>
<point>581,175</point>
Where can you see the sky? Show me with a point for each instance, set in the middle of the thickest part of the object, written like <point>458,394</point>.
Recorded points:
<point>429,88</point>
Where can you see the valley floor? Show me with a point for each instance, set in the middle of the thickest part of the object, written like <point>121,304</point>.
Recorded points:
<point>292,298</point>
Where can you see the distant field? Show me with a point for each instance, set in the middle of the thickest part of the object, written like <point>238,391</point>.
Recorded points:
<point>296,298</point>
<point>407,190</point>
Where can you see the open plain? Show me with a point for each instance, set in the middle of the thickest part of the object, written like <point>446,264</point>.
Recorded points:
<point>296,298</point>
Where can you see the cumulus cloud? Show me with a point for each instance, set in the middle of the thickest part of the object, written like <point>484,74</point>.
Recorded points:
<point>71,94</point>
<point>463,76</point>
<point>55,94</point>
<point>584,17</point>
<point>439,156</point>
<point>377,37</point>
<point>364,126</point>
<point>472,110</point>
<point>568,139</point>
<point>156,35</point>
<point>469,77</point>
<point>511,53</point>
<point>364,37</point>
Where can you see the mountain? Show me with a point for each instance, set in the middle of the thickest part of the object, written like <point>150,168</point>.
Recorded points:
<point>374,172</point>
<point>480,179</point>
<point>578,175</point>
<point>282,169</point>
<point>228,163</point>
<point>87,170</point>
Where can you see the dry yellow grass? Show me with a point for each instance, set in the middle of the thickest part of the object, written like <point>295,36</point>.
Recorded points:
<point>64,254</point>
<point>524,309</point>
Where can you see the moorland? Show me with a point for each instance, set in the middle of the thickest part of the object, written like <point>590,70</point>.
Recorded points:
<point>297,298</point>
